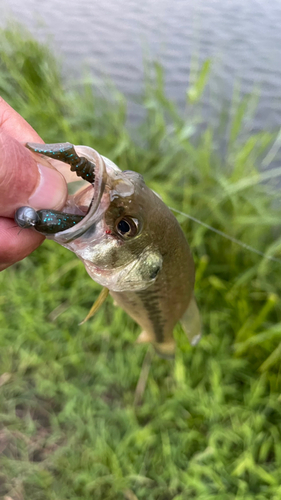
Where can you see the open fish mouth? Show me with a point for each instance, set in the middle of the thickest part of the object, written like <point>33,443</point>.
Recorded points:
<point>83,206</point>
<point>87,200</point>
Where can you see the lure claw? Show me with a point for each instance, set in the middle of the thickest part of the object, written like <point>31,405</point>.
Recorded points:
<point>66,153</point>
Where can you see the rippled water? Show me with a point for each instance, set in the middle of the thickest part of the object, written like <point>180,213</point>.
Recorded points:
<point>243,38</point>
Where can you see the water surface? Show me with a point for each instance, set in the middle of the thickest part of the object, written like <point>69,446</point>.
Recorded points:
<point>243,38</point>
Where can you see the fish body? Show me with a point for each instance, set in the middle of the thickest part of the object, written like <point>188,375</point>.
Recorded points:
<point>131,243</point>
<point>166,260</point>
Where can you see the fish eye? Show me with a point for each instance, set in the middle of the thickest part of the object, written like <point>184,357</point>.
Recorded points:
<point>127,227</point>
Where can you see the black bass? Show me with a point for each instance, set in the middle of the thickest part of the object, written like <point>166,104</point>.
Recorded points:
<point>129,242</point>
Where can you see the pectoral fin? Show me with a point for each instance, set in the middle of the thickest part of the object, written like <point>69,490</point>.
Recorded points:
<point>191,322</point>
<point>97,304</point>
<point>164,350</point>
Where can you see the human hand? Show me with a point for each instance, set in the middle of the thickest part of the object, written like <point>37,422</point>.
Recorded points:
<point>23,181</point>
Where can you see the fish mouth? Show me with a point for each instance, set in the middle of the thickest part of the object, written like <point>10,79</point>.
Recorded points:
<point>85,200</point>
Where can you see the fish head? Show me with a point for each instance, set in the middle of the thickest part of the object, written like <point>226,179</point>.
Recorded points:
<point>117,239</point>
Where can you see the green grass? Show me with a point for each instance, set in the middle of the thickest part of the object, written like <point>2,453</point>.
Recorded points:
<point>209,426</point>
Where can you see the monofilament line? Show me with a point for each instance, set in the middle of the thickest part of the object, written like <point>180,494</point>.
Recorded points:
<point>224,235</point>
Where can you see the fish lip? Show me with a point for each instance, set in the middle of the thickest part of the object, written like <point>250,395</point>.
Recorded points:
<point>64,237</point>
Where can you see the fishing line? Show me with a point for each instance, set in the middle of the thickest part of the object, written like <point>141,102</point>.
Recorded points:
<point>224,235</point>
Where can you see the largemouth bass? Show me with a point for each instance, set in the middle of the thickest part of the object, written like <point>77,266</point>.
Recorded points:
<point>129,242</point>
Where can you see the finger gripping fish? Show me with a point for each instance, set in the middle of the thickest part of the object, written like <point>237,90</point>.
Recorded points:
<point>129,242</point>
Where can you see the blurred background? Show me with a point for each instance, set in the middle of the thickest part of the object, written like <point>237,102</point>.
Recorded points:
<point>188,94</point>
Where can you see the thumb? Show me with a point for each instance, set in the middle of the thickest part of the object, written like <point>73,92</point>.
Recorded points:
<point>23,181</point>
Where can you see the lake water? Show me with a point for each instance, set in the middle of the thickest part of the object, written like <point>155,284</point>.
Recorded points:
<point>243,38</point>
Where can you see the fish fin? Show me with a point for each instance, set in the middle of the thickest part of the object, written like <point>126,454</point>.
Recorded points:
<point>96,305</point>
<point>191,322</point>
<point>145,337</point>
<point>165,350</point>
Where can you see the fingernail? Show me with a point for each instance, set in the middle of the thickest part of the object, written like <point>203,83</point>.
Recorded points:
<point>51,192</point>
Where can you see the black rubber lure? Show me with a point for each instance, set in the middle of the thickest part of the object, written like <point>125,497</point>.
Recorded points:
<point>53,221</point>
<point>45,221</point>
